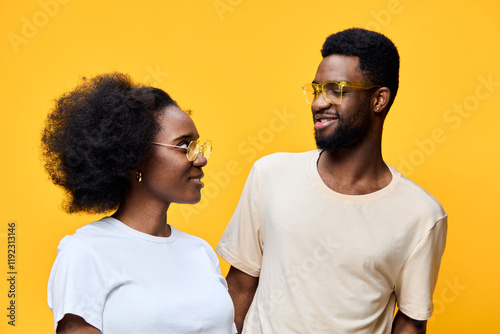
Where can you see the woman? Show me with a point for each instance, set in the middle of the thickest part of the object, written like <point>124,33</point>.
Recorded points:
<point>114,145</point>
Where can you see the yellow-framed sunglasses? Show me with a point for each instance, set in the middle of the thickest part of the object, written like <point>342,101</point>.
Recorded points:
<point>332,90</point>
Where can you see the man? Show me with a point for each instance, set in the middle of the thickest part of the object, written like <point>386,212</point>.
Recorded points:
<point>329,241</point>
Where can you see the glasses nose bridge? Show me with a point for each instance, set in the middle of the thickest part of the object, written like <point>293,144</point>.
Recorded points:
<point>207,147</point>
<point>200,149</point>
<point>200,159</point>
<point>319,91</point>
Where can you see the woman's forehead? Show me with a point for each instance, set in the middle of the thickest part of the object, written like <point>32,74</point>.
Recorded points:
<point>175,123</point>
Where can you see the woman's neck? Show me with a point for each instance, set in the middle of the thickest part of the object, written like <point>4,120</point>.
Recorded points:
<point>145,216</point>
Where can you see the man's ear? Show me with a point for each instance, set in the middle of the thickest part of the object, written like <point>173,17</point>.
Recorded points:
<point>380,100</point>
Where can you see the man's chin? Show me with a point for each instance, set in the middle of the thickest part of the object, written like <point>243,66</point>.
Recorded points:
<point>323,142</point>
<point>332,144</point>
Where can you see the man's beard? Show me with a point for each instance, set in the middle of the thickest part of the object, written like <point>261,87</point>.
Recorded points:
<point>350,131</point>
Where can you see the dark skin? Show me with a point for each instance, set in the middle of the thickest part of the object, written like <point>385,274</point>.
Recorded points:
<point>242,288</point>
<point>73,324</point>
<point>403,324</point>
<point>355,169</point>
<point>359,169</point>
<point>168,177</point>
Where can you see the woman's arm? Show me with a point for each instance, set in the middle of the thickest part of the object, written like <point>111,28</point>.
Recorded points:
<point>73,324</point>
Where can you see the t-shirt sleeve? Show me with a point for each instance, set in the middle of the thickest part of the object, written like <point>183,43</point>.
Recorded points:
<point>241,244</point>
<point>214,260</point>
<point>417,279</point>
<point>77,283</point>
<point>215,264</point>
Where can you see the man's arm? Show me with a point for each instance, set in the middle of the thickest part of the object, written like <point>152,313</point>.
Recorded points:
<point>241,289</point>
<point>403,324</point>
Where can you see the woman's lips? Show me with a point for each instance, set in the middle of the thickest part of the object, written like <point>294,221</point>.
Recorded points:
<point>197,180</point>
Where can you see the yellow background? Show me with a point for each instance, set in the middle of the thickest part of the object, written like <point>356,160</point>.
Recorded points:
<point>239,65</point>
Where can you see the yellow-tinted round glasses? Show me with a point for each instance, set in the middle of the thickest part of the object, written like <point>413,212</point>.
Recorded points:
<point>193,149</point>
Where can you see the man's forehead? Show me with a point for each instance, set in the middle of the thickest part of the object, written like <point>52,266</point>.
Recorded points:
<point>339,67</point>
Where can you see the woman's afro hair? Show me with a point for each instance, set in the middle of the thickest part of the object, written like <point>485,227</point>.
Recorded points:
<point>97,136</point>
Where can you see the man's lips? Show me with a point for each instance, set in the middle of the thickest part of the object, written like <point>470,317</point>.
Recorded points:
<point>322,121</point>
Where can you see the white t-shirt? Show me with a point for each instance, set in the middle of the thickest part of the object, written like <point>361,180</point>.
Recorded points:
<point>124,281</point>
<point>328,262</point>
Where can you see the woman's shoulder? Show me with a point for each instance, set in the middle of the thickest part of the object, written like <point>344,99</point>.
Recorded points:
<point>189,238</point>
<point>194,242</point>
<point>87,235</point>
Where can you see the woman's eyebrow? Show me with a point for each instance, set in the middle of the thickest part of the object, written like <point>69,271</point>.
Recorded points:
<point>183,137</point>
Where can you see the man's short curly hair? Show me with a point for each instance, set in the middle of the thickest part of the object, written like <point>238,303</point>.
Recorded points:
<point>97,135</point>
<point>378,56</point>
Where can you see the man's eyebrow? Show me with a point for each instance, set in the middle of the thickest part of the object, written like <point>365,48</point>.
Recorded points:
<point>315,82</point>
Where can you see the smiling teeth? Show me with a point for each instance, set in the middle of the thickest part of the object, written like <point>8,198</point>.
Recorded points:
<point>199,180</point>
<point>322,120</point>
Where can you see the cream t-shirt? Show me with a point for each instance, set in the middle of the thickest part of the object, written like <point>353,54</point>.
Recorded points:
<point>328,262</point>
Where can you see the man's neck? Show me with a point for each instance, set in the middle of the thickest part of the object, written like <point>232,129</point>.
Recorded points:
<point>354,171</point>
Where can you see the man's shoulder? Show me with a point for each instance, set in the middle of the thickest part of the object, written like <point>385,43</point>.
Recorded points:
<point>419,197</point>
<point>284,159</point>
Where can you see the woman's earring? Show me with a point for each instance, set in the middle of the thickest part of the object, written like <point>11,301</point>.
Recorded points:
<point>139,176</point>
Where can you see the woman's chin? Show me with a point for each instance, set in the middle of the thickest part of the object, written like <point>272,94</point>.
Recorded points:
<point>193,200</point>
